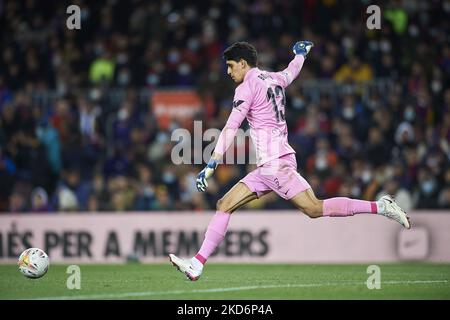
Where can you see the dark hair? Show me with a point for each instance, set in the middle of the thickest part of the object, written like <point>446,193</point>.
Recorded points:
<point>241,50</point>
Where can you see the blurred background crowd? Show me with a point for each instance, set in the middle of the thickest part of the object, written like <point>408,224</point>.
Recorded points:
<point>369,114</point>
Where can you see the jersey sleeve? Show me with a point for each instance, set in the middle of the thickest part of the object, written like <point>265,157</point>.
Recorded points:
<point>288,75</point>
<point>241,106</point>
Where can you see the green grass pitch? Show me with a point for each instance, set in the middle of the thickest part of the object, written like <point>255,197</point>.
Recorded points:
<point>232,282</point>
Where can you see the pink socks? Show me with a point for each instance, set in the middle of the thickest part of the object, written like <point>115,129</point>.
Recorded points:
<point>214,235</point>
<point>342,207</point>
<point>334,207</point>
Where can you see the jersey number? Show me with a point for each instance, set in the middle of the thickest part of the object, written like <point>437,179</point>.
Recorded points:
<point>271,95</point>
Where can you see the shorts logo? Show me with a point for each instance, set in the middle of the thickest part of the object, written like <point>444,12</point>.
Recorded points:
<point>277,183</point>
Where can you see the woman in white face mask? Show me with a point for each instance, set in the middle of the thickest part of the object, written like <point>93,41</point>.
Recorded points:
<point>123,78</point>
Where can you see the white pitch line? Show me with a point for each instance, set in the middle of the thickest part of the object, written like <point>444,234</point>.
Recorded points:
<point>176,292</point>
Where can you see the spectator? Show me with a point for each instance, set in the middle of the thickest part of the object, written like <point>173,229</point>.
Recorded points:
<point>162,199</point>
<point>7,173</point>
<point>444,198</point>
<point>374,118</point>
<point>377,149</point>
<point>49,137</point>
<point>323,160</point>
<point>402,196</point>
<point>39,200</point>
<point>354,71</point>
<point>102,69</point>
<point>67,200</point>
<point>145,194</point>
<point>428,190</point>
<point>17,203</point>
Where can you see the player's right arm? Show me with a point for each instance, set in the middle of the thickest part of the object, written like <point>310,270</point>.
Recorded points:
<point>301,49</point>
<point>241,105</point>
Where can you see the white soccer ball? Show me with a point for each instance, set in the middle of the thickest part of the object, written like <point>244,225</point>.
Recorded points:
<point>33,263</point>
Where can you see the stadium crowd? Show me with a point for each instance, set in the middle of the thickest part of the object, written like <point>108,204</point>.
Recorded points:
<point>78,152</point>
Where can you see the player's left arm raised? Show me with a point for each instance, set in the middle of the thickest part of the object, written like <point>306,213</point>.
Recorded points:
<point>301,50</point>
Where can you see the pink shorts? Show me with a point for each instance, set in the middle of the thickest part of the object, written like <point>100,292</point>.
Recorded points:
<point>279,175</point>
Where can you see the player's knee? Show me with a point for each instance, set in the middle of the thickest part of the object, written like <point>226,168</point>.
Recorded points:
<point>314,210</point>
<point>223,205</point>
<point>219,204</point>
<point>313,213</point>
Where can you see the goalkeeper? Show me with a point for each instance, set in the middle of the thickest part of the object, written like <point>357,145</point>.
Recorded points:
<point>260,97</point>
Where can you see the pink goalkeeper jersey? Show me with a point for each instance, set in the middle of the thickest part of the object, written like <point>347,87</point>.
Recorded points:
<point>261,99</point>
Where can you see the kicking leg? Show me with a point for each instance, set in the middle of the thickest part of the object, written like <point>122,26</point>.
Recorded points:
<point>307,202</point>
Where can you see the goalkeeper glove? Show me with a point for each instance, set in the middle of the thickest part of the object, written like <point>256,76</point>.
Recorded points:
<point>207,172</point>
<point>302,47</point>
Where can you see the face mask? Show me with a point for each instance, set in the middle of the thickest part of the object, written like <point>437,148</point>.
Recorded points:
<point>173,17</point>
<point>347,42</point>
<point>162,137</point>
<point>152,79</point>
<point>193,44</point>
<point>122,58</point>
<point>356,192</point>
<point>428,186</point>
<point>173,57</point>
<point>436,86</point>
<point>413,30</point>
<point>373,104</point>
<point>385,46</point>
<point>173,126</point>
<point>190,14</point>
<point>433,162</point>
<point>213,77</point>
<point>298,103</point>
<point>148,192</point>
<point>124,78</point>
<point>99,50</point>
<point>233,23</point>
<point>123,114</point>
<point>366,176</point>
<point>184,69</point>
<point>321,163</point>
<point>85,14</point>
<point>168,177</point>
<point>61,88</point>
<point>409,114</point>
<point>214,13</point>
<point>348,113</point>
<point>95,94</point>
<point>57,60</point>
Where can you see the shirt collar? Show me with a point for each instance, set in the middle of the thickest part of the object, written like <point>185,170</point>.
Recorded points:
<point>252,70</point>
